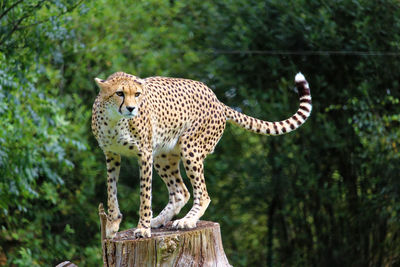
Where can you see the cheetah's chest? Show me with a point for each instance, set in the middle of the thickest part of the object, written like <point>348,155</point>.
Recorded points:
<point>118,140</point>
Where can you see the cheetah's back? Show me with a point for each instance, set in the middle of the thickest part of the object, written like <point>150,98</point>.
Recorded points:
<point>182,107</point>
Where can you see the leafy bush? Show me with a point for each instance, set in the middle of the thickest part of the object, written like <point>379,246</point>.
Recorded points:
<point>44,152</point>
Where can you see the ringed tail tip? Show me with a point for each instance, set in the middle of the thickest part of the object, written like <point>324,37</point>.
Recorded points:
<point>299,78</point>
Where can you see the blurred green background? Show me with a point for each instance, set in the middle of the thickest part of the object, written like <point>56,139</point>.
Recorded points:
<point>324,195</point>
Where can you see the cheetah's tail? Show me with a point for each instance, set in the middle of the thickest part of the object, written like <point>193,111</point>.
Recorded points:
<point>278,127</point>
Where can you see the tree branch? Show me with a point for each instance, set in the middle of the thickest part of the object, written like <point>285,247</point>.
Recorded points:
<point>13,29</point>
<point>57,16</point>
<point>26,15</point>
<point>11,7</point>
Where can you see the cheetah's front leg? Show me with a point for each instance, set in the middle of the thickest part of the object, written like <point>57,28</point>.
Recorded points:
<point>145,213</point>
<point>114,216</point>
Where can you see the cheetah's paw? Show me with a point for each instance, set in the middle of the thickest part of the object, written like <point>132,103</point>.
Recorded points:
<point>112,227</point>
<point>158,221</point>
<point>184,223</point>
<point>142,232</point>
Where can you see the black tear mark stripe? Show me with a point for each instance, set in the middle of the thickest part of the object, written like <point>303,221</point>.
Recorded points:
<point>123,100</point>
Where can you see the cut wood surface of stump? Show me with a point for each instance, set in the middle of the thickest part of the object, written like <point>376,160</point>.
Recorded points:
<point>201,246</point>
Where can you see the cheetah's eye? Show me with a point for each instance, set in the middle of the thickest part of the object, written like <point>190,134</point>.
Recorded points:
<point>119,93</point>
<point>137,94</point>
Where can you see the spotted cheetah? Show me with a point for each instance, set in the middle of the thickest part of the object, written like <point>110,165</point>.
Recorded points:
<point>162,121</point>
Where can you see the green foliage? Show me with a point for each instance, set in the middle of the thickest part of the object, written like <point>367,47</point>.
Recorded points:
<point>327,194</point>
<point>42,151</point>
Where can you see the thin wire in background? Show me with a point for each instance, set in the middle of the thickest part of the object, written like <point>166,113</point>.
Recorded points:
<point>307,53</point>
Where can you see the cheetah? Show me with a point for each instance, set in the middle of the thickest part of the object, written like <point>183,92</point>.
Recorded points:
<point>163,121</point>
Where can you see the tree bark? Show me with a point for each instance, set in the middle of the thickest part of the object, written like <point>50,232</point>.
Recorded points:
<point>201,246</point>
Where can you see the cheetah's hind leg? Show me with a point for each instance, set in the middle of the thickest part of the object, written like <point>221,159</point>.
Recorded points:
<point>167,166</point>
<point>201,200</point>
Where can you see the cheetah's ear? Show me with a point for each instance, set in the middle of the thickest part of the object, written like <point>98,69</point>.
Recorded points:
<point>102,84</point>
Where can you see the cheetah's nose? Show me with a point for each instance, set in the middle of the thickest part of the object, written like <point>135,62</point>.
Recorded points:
<point>130,109</point>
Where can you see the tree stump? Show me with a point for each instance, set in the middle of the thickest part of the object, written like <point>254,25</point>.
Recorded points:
<point>64,264</point>
<point>201,246</point>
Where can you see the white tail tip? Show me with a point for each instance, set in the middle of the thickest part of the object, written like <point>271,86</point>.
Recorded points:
<point>299,78</point>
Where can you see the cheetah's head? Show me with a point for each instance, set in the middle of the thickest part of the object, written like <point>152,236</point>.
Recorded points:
<point>121,93</point>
